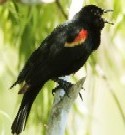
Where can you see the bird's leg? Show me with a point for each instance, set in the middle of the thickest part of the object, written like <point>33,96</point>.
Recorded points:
<point>62,85</point>
<point>80,95</point>
<point>55,89</point>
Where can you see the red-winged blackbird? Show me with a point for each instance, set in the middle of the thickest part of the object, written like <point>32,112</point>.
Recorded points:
<point>62,53</point>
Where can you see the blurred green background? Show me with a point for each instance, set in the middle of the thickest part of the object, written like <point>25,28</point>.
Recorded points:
<point>22,28</point>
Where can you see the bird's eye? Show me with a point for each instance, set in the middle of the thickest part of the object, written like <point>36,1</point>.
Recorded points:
<point>91,10</point>
<point>97,11</point>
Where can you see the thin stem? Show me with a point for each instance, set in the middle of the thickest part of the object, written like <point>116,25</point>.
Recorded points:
<point>115,99</point>
<point>61,9</point>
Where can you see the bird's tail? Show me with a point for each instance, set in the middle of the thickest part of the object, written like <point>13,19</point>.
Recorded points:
<point>19,122</point>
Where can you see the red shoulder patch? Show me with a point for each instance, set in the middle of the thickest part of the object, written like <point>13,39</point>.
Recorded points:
<point>80,38</point>
<point>81,35</point>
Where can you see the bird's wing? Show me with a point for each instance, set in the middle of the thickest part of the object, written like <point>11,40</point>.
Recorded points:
<point>66,48</point>
<point>66,36</point>
<point>39,55</point>
<point>38,63</point>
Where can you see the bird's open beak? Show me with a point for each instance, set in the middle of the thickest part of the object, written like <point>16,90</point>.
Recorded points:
<point>106,11</point>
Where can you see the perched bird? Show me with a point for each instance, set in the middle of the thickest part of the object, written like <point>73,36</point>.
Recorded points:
<point>62,53</point>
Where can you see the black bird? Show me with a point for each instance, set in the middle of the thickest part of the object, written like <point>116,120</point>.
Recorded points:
<point>62,52</point>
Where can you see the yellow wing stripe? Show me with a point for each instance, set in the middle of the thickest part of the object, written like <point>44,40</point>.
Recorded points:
<point>73,44</point>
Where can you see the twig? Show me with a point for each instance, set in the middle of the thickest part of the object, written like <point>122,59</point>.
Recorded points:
<point>104,77</point>
<point>61,106</point>
<point>61,9</point>
<point>118,105</point>
<point>115,99</point>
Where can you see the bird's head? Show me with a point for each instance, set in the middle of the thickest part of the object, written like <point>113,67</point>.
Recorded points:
<point>92,16</point>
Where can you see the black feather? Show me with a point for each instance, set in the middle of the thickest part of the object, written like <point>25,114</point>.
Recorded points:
<point>21,118</point>
<point>53,59</point>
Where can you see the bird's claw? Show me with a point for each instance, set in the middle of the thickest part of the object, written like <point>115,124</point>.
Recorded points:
<point>65,86</point>
<point>62,85</point>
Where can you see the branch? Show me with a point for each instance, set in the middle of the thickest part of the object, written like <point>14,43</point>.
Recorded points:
<point>61,106</point>
<point>61,9</point>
